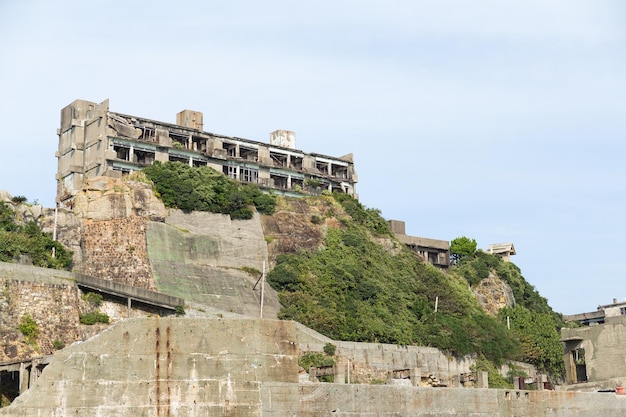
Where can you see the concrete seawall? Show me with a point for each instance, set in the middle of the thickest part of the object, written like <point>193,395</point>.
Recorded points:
<point>248,367</point>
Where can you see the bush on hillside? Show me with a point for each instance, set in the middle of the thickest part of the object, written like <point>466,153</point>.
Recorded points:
<point>28,239</point>
<point>204,189</point>
<point>353,289</point>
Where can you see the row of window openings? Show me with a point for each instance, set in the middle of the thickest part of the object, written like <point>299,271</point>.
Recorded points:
<point>275,181</point>
<point>147,158</point>
<point>250,154</point>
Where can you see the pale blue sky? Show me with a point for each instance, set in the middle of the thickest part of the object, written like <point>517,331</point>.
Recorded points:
<point>503,121</point>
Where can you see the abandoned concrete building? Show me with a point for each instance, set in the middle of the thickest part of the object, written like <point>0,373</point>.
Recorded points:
<point>433,251</point>
<point>503,250</point>
<point>94,141</point>
<point>594,353</point>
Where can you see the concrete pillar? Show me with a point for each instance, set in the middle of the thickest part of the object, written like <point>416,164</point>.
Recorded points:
<point>289,182</point>
<point>34,374</point>
<point>455,381</point>
<point>516,383</point>
<point>416,376</point>
<point>540,380</point>
<point>340,373</point>
<point>482,380</point>
<point>23,378</point>
<point>131,154</point>
<point>312,374</point>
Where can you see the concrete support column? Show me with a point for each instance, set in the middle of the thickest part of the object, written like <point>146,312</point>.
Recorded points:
<point>482,380</point>
<point>416,376</point>
<point>23,378</point>
<point>129,305</point>
<point>340,372</point>
<point>289,182</point>
<point>131,154</point>
<point>34,374</point>
<point>313,374</point>
<point>540,380</point>
<point>455,381</point>
<point>516,383</point>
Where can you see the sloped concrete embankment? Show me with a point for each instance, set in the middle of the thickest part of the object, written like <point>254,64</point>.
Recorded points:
<point>208,258</point>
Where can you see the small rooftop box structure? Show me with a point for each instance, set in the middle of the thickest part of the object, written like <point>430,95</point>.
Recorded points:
<point>504,250</point>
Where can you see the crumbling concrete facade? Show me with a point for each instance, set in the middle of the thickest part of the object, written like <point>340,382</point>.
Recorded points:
<point>94,141</point>
<point>433,251</point>
<point>594,353</point>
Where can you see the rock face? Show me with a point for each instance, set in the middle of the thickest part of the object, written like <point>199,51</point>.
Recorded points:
<point>493,294</point>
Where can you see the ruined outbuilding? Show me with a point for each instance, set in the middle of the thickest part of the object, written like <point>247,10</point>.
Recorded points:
<point>432,251</point>
<point>503,250</point>
<point>594,353</point>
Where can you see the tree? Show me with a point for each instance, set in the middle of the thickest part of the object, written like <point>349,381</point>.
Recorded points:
<point>462,247</point>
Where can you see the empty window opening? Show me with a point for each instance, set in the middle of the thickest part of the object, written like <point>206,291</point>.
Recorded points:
<point>578,356</point>
<point>296,162</point>
<point>231,149</point>
<point>143,157</point>
<point>339,171</point>
<point>278,181</point>
<point>122,152</point>
<point>174,158</point>
<point>279,159</point>
<point>198,163</point>
<point>178,141</point>
<point>199,144</point>
<point>249,175</point>
<point>230,172</point>
<point>322,167</point>
<point>249,154</point>
<point>147,134</point>
<point>297,184</point>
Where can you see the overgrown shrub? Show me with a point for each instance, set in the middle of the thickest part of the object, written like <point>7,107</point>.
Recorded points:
<point>330,349</point>
<point>93,317</point>
<point>28,239</point>
<point>93,298</point>
<point>204,189</point>
<point>29,328</point>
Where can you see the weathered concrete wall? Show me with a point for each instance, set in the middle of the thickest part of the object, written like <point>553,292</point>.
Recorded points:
<point>604,346</point>
<point>248,367</point>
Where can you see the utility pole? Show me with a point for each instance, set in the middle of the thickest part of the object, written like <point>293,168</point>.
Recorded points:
<point>262,288</point>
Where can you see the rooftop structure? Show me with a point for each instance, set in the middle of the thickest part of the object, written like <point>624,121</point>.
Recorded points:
<point>504,250</point>
<point>94,141</point>
<point>433,251</point>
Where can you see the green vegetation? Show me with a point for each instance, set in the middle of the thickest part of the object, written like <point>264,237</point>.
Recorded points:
<point>28,239</point>
<point>330,349</point>
<point>29,328</point>
<point>58,344</point>
<point>533,322</point>
<point>93,298</point>
<point>353,289</point>
<point>93,317</point>
<point>317,360</point>
<point>204,189</point>
<point>462,247</point>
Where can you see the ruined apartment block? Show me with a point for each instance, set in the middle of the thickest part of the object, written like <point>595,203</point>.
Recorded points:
<point>94,141</point>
